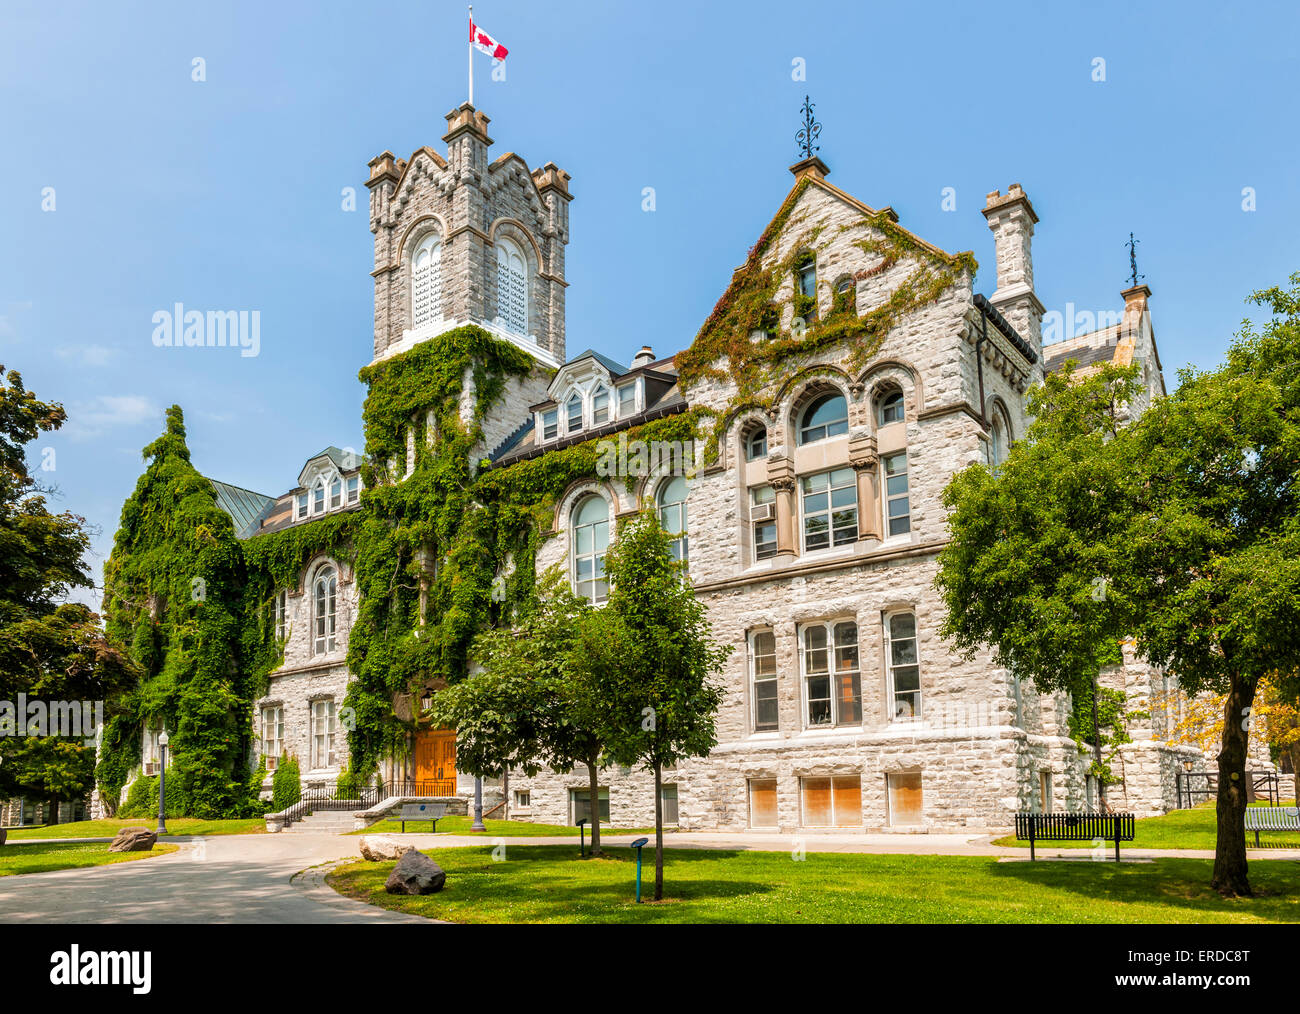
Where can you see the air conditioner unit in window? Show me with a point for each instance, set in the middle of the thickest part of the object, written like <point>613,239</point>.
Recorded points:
<point>762,512</point>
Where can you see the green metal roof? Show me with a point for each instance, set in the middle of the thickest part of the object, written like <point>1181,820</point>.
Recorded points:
<point>243,505</point>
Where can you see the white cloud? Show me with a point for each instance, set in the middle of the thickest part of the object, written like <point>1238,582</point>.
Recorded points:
<point>90,418</point>
<point>88,355</point>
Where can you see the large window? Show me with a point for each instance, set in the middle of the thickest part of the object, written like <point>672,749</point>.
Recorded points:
<point>580,804</point>
<point>426,288</point>
<point>272,735</point>
<point>832,677</point>
<point>903,666</point>
<point>672,515</point>
<point>281,615</point>
<point>590,540</point>
<point>898,512</point>
<point>830,509</point>
<point>326,609</point>
<point>512,287</point>
<point>762,515</point>
<point>999,439</point>
<point>832,802</point>
<point>762,670</point>
<point>825,416</point>
<point>322,733</point>
<point>762,802</point>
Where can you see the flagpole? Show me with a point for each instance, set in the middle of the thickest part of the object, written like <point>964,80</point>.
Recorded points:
<point>471,54</point>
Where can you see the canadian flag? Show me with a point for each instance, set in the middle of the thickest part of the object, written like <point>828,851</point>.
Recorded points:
<point>485,42</point>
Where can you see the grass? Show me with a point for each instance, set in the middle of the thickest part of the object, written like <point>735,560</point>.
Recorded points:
<point>43,857</point>
<point>549,884</point>
<point>496,828</point>
<point>109,827</point>
<point>1181,829</point>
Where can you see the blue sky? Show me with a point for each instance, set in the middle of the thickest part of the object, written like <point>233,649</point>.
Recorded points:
<point>226,193</point>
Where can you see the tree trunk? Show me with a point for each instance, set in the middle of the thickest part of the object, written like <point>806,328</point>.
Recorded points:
<point>1230,843</point>
<point>659,835</point>
<point>51,811</point>
<point>1096,748</point>
<point>593,797</point>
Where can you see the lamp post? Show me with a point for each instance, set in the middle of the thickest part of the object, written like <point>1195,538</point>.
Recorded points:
<point>478,824</point>
<point>639,844</point>
<point>162,782</point>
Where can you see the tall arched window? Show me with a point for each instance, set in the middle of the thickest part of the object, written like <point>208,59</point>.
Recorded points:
<point>318,496</point>
<point>325,609</point>
<point>672,515</point>
<point>590,540</point>
<point>600,406</point>
<point>573,413</point>
<point>426,282</point>
<point>512,287</point>
<point>826,416</point>
<point>756,443</point>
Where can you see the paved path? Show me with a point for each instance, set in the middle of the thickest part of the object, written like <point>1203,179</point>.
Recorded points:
<point>279,878</point>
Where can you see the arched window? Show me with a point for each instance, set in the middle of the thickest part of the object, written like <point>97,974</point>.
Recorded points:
<point>889,408</point>
<point>600,406</point>
<point>336,493</point>
<point>590,540</point>
<point>426,282</point>
<point>826,416</point>
<point>672,515</point>
<point>999,439</point>
<point>512,287</point>
<point>573,412</point>
<point>756,444</point>
<point>318,496</point>
<point>325,609</point>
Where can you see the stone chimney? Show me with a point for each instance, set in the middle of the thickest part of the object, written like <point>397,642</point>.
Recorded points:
<point>643,358</point>
<point>1130,328</point>
<point>1011,219</point>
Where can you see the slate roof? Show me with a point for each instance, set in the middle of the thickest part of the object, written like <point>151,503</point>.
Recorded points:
<point>245,507</point>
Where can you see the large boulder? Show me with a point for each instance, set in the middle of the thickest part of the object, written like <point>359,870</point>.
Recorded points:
<point>134,839</point>
<point>415,873</point>
<point>380,848</point>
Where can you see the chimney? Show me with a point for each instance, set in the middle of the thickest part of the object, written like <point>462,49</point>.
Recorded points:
<point>643,358</point>
<point>1130,328</point>
<point>1011,219</point>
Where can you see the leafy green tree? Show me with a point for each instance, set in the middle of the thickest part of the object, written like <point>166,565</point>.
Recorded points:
<point>1180,530</point>
<point>647,661</point>
<point>50,650</point>
<point>524,709</point>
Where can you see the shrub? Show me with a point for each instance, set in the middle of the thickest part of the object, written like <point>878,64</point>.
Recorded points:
<point>286,784</point>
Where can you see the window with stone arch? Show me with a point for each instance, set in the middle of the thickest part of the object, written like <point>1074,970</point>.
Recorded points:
<point>512,286</point>
<point>999,438</point>
<point>589,541</point>
<point>890,406</point>
<point>325,611</point>
<point>670,504</point>
<point>426,281</point>
<point>825,415</point>
<point>755,442</point>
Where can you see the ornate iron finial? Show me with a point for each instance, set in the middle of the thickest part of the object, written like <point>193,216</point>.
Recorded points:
<point>1133,261</point>
<point>808,132</point>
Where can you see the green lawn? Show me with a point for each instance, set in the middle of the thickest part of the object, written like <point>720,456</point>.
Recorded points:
<point>548,883</point>
<point>495,828</point>
<point>1182,829</point>
<point>108,828</point>
<point>46,856</point>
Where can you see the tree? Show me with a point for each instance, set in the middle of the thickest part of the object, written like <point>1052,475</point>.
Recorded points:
<point>647,659</point>
<point>1180,530</point>
<point>50,650</point>
<point>523,709</point>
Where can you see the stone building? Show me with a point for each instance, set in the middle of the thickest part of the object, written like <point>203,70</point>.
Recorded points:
<point>812,536</point>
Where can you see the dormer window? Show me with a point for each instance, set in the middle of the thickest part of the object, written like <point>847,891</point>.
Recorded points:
<point>573,412</point>
<point>626,401</point>
<point>550,424</point>
<point>426,285</point>
<point>336,493</point>
<point>302,505</point>
<point>354,489</point>
<point>600,406</point>
<point>512,287</point>
<point>318,497</point>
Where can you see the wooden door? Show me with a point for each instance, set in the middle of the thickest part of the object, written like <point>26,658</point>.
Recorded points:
<point>435,762</point>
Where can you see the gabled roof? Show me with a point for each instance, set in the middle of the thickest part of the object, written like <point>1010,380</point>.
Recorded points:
<point>615,369</point>
<point>337,455</point>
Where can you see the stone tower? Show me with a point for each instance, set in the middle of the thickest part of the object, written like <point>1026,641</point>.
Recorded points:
<point>461,240</point>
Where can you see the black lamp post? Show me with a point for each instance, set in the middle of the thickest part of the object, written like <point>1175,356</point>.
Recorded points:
<point>162,782</point>
<point>478,824</point>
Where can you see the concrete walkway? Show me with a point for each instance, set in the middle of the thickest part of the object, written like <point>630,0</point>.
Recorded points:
<point>279,878</point>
